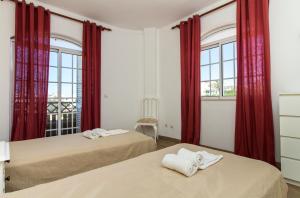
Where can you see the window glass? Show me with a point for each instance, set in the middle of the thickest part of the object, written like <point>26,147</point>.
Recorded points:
<point>53,74</point>
<point>205,73</point>
<point>214,55</point>
<point>215,88</point>
<point>229,89</point>
<point>67,60</point>
<point>205,57</point>
<point>228,69</point>
<point>215,72</point>
<point>210,72</point>
<point>66,75</point>
<point>228,51</point>
<point>205,88</point>
<point>52,90</point>
<point>218,62</point>
<point>53,59</point>
<point>64,89</point>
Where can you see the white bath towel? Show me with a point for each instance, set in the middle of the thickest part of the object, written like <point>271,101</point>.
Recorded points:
<point>190,155</point>
<point>208,159</point>
<point>90,134</point>
<point>99,131</point>
<point>179,164</point>
<point>93,134</point>
<point>113,132</point>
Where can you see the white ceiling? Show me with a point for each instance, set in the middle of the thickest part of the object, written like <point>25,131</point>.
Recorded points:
<point>133,14</point>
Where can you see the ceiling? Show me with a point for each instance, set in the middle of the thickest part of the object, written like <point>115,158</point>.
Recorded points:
<point>133,14</point>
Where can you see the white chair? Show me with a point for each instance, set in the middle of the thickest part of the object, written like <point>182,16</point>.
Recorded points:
<point>150,115</point>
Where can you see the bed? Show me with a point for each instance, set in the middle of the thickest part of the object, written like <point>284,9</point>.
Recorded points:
<point>143,177</point>
<point>44,160</point>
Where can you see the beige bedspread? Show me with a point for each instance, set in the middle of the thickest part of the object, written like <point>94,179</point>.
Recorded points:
<point>143,177</point>
<point>47,159</point>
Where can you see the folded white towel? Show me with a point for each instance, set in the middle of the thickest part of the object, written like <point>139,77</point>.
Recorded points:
<point>190,155</point>
<point>208,159</point>
<point>99,131</point>
<point>113,132</point>
<point>179,164</point>
<point>93,134</point>
<point>90,134</point>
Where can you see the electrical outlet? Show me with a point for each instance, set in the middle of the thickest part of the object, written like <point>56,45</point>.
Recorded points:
<point>172,127</point>
<point>166,125</point>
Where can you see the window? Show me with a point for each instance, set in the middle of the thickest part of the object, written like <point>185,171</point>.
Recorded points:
<point>219,65</point>
<point>64,89</point>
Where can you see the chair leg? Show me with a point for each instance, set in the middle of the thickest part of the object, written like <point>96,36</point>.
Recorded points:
<point>155,133</point>
<point>136,126</point>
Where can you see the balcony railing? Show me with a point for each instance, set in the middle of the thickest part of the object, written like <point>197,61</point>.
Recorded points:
<point>69,118</point>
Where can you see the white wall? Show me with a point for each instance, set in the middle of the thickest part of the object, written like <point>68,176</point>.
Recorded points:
<point>122,79</point>
<point>7,30</point>
<point>151,63</point>
<point>220,135</point>
<point>285,53</point>
<point>122,65</point>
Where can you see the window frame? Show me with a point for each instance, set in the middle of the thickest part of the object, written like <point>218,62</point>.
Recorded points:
<point>218,43</point>
<point>60,51</point>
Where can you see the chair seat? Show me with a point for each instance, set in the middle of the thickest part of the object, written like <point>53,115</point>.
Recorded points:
<point>148,120</point>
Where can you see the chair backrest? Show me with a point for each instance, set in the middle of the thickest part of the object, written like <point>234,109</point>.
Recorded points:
<point>150,108</point>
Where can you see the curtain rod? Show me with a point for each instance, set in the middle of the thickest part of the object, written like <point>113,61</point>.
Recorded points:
<point>67,17</point>
<point>210,11</point>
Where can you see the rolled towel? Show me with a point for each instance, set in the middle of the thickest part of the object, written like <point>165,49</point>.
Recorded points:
<point>208,159</point>
<point>190,155</point>
<point>179,164</point>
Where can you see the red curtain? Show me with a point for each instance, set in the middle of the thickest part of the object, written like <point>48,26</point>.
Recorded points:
<point>32,48</point>
<point>91,76</point>
<point>254,133</point>
<point>190,80</point>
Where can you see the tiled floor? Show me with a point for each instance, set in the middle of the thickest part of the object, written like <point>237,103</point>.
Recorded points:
<point>294,191</point>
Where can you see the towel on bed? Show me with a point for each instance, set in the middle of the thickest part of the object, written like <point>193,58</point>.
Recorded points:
<point>190,155</point>
<point>93,134</point>
<point>203,159</point>
<point>208,159</point>
<point>179,164</point>
<point>113,132</point>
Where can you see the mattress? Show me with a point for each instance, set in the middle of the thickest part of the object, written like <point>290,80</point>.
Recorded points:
<point>144,177</point>
<point>44,160</point>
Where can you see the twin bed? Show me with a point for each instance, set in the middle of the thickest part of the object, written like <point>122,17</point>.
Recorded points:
<point>44,160</point>
<point>144,177</point>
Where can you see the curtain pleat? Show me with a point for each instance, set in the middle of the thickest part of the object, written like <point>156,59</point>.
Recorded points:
<point>91,76</point>
<point>32,50</point>
<point>190,80</point>
<point>254,131</point>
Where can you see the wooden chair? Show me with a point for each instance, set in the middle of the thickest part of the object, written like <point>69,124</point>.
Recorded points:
<point>150,115</point>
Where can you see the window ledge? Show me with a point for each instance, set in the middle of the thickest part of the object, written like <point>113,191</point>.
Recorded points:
<point>218,98</point>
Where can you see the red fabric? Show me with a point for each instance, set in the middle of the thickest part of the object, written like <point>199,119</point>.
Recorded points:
<point>190,80</point>
<point>254,135</point>
<point>91,76</point>
<point>32,48</point>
